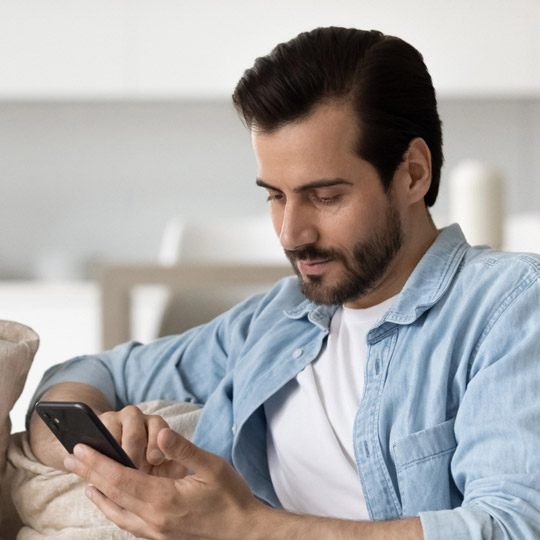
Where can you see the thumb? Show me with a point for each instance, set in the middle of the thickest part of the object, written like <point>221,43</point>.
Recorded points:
<point>179,449</point>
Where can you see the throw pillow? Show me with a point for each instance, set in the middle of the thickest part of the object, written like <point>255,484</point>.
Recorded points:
<point>18,345</point>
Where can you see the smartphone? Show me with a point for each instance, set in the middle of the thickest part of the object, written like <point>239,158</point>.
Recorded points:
<point>74,422</point>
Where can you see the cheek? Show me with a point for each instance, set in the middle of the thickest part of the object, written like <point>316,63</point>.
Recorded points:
<point>355,223</point>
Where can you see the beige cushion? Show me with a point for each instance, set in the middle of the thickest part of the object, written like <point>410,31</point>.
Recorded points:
<point>18,345</point>
<point>52,503</point>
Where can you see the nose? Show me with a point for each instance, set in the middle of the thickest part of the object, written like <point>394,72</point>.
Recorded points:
<point>296,226</point>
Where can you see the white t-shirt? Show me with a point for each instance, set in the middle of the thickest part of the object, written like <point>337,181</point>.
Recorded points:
<point>310,423</point>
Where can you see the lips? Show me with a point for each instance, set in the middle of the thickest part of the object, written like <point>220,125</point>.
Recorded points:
<point>313,266</point>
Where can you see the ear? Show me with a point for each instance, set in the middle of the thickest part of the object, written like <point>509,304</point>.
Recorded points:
<point>417,168</point>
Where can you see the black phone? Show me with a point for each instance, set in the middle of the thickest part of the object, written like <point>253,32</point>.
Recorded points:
<point>74,422</point>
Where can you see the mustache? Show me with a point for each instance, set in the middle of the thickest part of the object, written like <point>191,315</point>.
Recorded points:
<point>307,253</point>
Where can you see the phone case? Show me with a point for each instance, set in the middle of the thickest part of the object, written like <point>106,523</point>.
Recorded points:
<point>75,422</point>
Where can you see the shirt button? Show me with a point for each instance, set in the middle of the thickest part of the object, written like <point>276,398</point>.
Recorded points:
<point>298,353</point>
<point>233,429</point>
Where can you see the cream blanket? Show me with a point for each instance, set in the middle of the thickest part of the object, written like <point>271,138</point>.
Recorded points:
<point>52,503</point>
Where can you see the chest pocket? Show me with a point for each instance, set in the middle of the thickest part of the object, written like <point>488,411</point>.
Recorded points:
<point>423,470</point>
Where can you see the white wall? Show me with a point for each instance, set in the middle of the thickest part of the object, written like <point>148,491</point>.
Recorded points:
<point>504,134</point>
<point>114,116</point>
<point>132,48</point>
<point>84,183</point>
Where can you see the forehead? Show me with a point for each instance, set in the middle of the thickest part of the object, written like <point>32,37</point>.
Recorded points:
<point>321,145</point>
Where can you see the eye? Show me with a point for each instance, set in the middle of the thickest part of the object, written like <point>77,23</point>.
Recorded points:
<point>275,197</point>
<point>328,200</point>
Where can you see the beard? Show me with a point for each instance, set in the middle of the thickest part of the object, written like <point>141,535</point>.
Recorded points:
<point>370,261</point>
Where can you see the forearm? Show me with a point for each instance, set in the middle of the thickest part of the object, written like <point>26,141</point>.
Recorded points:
<point>280,525</point>
<point>45,445</point>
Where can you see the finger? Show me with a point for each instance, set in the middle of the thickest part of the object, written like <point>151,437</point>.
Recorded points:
<point>154,424</point>
<point>112,422</point>
<point>121,517</point>
<point>125,486</point>
<point>179,449</point>
<point>134,436</point>
<point>169,469</point>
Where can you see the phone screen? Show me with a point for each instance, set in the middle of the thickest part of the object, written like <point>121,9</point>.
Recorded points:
<point>74,422</point>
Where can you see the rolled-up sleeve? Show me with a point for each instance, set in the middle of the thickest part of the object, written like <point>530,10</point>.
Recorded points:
<point>496,464</point>
<point>186,367</point>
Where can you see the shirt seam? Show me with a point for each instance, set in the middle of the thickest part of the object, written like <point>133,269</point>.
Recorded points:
<point>383,466</point>
<point>498,313</point>
<point>426,458</point>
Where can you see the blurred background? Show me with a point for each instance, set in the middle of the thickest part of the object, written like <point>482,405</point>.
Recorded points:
<point>115,118</point>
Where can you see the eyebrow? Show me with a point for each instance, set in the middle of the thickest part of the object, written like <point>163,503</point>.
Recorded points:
<point>322,183</point>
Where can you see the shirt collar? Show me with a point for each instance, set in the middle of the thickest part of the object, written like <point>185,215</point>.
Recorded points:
<point>431,277</point>
<point>316,313</point>
<point>425,286</point>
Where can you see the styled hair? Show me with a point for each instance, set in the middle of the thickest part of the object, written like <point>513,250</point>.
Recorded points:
<point>382,77</point>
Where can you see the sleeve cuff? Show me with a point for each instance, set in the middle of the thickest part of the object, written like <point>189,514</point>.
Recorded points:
<point>458,524</point>
<point>92,371</point>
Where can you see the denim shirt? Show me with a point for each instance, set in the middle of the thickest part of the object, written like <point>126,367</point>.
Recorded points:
<point>449,425</point>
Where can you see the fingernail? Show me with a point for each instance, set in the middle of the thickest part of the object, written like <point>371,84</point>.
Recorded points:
<point>170,439</point>
<point>70,463</point>
<point>156,456</point>
<point>89,493</point>
<point>79,451</point>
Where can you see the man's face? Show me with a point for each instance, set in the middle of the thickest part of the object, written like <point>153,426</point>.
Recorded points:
<point>338,227</point>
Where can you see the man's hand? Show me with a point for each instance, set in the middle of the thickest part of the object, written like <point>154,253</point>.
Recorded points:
<point>214,502</point>
<point>137,435</point>
<point>134,431</point>
<point>45,446</point>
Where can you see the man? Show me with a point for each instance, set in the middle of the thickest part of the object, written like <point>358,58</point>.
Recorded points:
<point>391,391</point>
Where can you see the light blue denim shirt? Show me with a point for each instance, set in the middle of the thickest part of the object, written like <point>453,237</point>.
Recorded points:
<point>449,425</point>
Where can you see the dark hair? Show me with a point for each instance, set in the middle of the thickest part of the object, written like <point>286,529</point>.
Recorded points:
<point>383,77</point>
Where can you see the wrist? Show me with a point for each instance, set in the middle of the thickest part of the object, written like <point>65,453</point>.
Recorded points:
<point>44,444</point>
<point>267,523</point>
